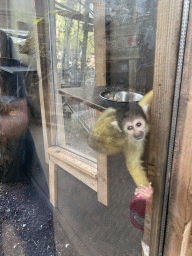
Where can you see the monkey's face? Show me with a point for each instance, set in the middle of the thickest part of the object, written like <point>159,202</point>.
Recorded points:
<point>133,122</point>
<point>137,127</point>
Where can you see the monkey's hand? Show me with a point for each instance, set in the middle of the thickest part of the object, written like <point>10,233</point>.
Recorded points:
<point>145,192</point>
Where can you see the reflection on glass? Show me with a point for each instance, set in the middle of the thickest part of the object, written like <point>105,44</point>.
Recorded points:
<point>130,27</point>
<point>129,58</point>
<point>129,46</point>
<point>113,40</point>
<point>130,36</point>
<point>75,43</point>
<point>78,120</point>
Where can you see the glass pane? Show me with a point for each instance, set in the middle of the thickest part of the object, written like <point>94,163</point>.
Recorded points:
<point>75,43</point>
<point>102,46</point>
<point>76,68</point>
<point>131,29</point>
<point>78,120</point>
<point>127,43</point>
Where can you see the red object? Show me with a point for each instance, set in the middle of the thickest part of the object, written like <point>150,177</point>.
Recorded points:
<point>130,41</point>
<point>138,205</point>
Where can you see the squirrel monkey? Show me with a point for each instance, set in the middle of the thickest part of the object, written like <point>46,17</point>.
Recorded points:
<point>124,130</point>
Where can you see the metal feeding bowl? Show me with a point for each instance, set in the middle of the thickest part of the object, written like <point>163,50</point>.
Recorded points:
<point>119,98</point>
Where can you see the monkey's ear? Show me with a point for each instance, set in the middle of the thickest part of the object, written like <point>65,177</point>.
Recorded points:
<point>116,125</point>
<point>146,101</point>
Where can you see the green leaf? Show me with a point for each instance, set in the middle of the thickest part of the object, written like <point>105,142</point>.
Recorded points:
<point>39,20</point>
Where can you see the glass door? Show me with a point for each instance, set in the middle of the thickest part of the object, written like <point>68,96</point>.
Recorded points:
<point>102,48</point>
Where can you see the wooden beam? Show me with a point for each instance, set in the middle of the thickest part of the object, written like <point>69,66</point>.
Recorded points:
<point>53,183</point>
<point>86,179</point>
<point>180,199</point>
<point>166,52</point>
<point>76,165</point>
<point>185,241</point>
<point>42,39</point>
<point>41,93</point>
<point>102,179</point>
<point>79,163</point>
<point>58,129</point>
<point>100,42</point>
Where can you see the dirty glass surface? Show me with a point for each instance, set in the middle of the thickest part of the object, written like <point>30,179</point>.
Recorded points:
<point>130,30</point>
<point>76,69</point>
<point>108,44</point>
<point>16,71</point>
<point>78,120</point>
<point>127,57</point>
<point>111,45</point>
<point>75,43</point>
<point>27,225</point>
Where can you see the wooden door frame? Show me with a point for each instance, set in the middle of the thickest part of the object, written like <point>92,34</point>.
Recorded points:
<point>178,230</point>
<point>168,31</point>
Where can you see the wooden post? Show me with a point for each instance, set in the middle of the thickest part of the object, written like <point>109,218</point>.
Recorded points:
<point>41,93</point>
<point>45,72</point>
<point>102,176</point>
<point>100,80</point>
<point>185,241</point>
<point>100,43</point>
<point>132,72</point>
<point>53,183</point>
<point>102,179</point>
<point>180,199</point>
<point>166,52</point>
<point>58,130</point>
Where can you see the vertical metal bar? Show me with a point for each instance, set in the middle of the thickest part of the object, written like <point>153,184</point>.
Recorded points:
<point>184,24</point>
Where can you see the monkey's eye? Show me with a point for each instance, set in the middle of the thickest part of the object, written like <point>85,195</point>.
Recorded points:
<point>138,124</point>
<point>130,128</point>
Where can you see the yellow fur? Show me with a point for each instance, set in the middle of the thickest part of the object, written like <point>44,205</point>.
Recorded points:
<point>107,138</point>
<point>133,154</point>
<point>147,99</point>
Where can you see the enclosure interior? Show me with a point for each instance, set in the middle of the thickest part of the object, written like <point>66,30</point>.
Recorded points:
<point>79,45</point>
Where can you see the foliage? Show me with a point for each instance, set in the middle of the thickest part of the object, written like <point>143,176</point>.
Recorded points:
<point>70,34</point>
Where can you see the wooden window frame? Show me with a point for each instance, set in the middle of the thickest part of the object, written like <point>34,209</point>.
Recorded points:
<point>95,176</point>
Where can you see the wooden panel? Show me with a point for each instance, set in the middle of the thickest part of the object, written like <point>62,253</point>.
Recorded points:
<point>53,183</point>
<point>86,179</point>
<point>167,42</point>
<point>90,160</point>
<point>180,201</point>
<point>45,71</point>
<point>185,242</point>
<point>100,42</point>
<point>102,181</point>
<point>102,175</point>
<point>58,131</point>
<point>132,72</point>
<point>41,93</point>
<point>79,163</point>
